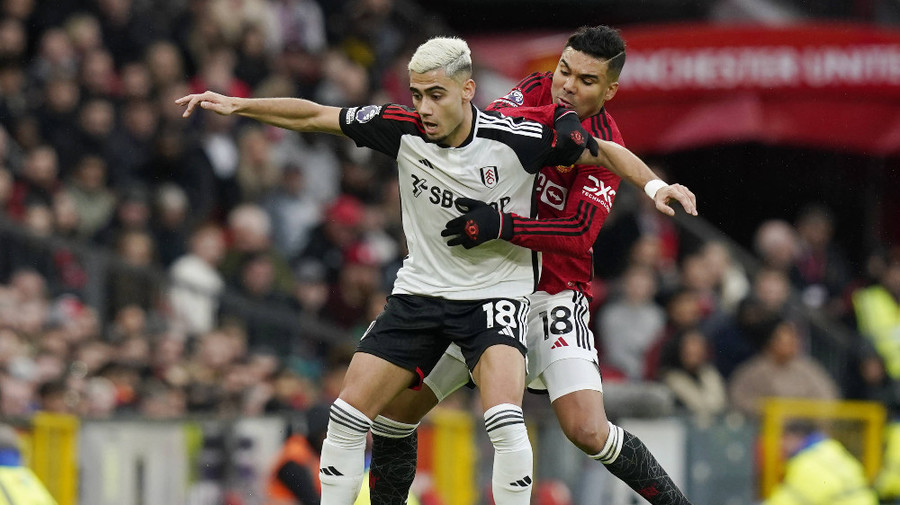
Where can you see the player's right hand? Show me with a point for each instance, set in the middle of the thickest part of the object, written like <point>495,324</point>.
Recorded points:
<point>678,193</point>
<point>569,131</point>
<point>209,100</point>
<point>479,224</point>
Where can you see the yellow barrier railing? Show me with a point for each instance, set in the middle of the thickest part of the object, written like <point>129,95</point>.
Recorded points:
<point>53,455</point>
<point>454,456</point>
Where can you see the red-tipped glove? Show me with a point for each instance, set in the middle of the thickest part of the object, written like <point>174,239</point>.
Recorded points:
<point>479,224</point>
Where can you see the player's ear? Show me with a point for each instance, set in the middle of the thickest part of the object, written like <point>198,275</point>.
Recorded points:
<point>468,90</point>
<point>611,91</point>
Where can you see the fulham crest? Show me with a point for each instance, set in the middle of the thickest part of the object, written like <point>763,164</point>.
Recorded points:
<point>489,176</point>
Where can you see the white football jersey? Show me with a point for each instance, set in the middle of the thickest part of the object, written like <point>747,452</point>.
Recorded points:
<point>496,164</point>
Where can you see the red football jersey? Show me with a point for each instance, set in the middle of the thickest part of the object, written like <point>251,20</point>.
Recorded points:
<point>573,201</point>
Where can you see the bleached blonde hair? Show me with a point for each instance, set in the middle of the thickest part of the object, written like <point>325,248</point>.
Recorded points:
<point>451,54</point>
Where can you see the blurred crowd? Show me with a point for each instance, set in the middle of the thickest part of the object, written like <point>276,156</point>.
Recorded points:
<point>226,240</point>
<point>157,266</point>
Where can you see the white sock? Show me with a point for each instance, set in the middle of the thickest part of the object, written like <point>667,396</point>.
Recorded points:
<point>513,459</point>
<point>342,465</point>
<point>386,427</point>
<point>612,447</point>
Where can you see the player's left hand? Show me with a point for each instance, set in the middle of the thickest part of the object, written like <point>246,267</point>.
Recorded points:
<point>678,193</point>
<point>479,224</point>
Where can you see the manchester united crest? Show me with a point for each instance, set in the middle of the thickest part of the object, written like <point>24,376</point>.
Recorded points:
<point>577,138</point>
<point>472,229</point>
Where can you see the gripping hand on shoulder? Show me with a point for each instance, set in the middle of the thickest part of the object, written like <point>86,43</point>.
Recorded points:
<point>569,131</point>
<point>480,223</point>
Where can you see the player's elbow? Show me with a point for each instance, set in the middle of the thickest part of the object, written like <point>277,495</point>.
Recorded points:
<point>585,245</point>
<point>573,247</point>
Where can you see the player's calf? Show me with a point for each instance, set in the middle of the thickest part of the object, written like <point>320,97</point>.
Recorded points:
<point>626,457</point>
<point>341,467</point>
<point>513,459</point>
<point>393,468</point>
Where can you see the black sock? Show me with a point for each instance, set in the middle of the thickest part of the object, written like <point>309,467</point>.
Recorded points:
<point>393,466</point>
<point>626,457</point>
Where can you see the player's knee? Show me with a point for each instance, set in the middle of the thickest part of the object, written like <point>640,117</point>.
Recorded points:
<point>589,436</point>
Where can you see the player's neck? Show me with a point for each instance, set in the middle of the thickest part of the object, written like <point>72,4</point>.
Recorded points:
<point>592,112</point>
<point>464,130</point>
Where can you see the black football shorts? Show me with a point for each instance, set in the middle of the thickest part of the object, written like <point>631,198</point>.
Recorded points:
<point>414,331</point>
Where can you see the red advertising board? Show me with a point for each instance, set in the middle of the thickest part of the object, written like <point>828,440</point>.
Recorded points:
<point>828,85</point>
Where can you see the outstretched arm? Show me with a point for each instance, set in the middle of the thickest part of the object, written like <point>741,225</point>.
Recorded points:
<point>620,161</point>
<point>628,166</point>
<point>290,113</point>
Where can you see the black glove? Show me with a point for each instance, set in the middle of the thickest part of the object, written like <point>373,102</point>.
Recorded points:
<point>570,133</point>
<point>480,223</point>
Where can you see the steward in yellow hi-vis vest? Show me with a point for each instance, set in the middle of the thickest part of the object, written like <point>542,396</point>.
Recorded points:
<point>819,471</point>
<point>887,484</point>
<point>877,311</point>
<point>878,318</point>
<point>18,484</point>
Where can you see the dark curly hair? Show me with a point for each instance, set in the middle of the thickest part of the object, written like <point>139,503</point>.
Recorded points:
<point>601,42</point>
